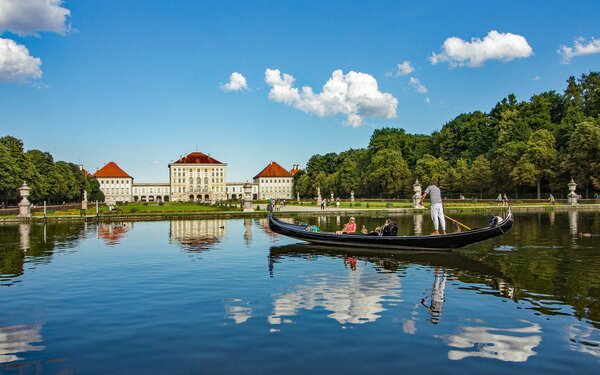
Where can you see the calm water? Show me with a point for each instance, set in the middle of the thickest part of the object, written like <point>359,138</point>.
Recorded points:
<point>228,296</point>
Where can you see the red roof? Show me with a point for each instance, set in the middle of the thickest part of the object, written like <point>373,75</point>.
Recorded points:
<point>111,170</point>
<point>198,158</point>
<point>274,170</point>
<point>295,169</point>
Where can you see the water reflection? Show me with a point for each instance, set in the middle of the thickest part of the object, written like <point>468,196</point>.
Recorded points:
<point>33,243</point>
<point>248,231</point>
<point>504,344</point>
<point>573,218</point>
<point>418,224</point>
<point>436,297</point>
<point>197,235</point>
<point>236,310</point>
<point>113,233</point>
<point>355,298</point>
<point>19,339</point>
<point>584,339</point>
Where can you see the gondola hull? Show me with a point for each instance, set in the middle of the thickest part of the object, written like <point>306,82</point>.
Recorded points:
<point>434,242</point>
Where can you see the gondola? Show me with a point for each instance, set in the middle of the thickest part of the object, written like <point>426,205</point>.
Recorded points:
<point>442,242</point>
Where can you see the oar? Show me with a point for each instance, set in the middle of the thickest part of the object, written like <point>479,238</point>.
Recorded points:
<point>452,220</point>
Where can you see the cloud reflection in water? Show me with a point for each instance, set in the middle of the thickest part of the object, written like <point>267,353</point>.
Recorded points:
<point>504,344</point>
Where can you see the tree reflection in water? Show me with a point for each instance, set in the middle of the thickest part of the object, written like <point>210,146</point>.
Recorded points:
<point>33,243</point>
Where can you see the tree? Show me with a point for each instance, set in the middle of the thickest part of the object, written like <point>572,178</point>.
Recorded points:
<point>8,176</point>
<point>540,152</point>
<point>389,173</point>
<point>582,160</point>
<point>480,176</point>
<point>432,168</point>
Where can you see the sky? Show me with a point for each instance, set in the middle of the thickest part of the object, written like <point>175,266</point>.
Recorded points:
<point>248,82</point>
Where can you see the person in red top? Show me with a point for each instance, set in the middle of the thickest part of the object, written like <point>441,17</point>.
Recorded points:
<point>348,228</point>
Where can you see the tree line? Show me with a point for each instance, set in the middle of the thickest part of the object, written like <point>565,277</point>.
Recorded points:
<point>517,147</point>
<point>54,182</point>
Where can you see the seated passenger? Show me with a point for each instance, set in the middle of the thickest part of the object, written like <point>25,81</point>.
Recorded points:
<point>389,228</point>
<point>364,230</point>
<point>350,227</point>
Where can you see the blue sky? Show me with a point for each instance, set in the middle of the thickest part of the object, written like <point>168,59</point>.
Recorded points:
<point>141,83</point>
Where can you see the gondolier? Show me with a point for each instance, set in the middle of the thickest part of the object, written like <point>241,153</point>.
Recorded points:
<point>437,209</point>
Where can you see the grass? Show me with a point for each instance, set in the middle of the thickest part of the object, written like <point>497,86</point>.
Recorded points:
<point>139,208</point>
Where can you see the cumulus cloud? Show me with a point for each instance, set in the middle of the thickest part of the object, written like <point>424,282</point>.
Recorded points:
<point>16,64</point>
<point>580,48</point>
<point>427,100</point>
<point>27,17</point>
<point>495,46</point>
<point>236,82</point>
<point>417,86</point>
<point>355,95</point>
<point>402,70</point>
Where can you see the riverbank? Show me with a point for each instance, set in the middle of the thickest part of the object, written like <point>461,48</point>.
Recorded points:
<point>296,210</point>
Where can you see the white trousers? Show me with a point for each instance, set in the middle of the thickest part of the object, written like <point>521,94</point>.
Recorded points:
<point>437,213</point>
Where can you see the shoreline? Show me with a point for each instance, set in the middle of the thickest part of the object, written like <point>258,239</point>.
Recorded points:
<point>157,216</point>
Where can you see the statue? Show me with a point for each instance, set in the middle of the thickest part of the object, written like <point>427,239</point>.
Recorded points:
<point>24,204</point>
<point>332,197</point>
<point>352,196</point>
<point>572,196</point>
<point>84,202</point>
<point>319,199</point>
<point>248,198</point>
<point>417,196</point>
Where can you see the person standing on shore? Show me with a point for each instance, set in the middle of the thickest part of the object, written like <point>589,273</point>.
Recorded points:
<point>437,209</point>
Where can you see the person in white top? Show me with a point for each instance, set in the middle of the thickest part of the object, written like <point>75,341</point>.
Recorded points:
<point>437,209</point>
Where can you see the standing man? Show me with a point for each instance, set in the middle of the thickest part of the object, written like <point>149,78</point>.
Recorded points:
<point>437,209</point>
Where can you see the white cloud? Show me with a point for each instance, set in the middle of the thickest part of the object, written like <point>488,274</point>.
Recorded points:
<point>236,82</point>
<point>16,64</point>
<point>27,17</point>
<point>536,78</point>
<point>403,69</point>
<point>355,95</point>
<point>495,46</point>
<point>417,86</point>
<point>427,100</point>
<point>579,48</point>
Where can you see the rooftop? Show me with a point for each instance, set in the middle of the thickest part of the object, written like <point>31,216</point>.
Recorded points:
<point>197,158</point>
<point>111,170</point>
<point>274,170</point>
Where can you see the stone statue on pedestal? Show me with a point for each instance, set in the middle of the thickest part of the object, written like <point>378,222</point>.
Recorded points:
<point>352,196</point>
<point>248,198</point>
<point>332,197</point>
<point>417,197</point>
<point>319,199</point>
<point>24,204</point>
<point>572,196</point>
<point>84,202</point>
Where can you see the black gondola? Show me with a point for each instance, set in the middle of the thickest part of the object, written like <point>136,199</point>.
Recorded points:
<point>433,242</point>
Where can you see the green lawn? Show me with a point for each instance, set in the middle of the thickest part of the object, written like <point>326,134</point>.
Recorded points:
<point>144,208</point>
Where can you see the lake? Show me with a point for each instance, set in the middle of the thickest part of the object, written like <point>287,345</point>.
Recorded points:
<point>228,296</point>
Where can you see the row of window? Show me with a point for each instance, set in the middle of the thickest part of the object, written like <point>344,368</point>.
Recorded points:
<point>276,189</point>
<point>199,181</point>
<point>180,189</point>
<point>112,182</point>
<point>276,181</point>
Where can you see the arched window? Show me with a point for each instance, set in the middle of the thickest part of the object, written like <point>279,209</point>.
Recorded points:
<point>191,181</point>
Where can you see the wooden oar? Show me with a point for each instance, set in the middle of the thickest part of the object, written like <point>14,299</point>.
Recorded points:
<point>451,219</point>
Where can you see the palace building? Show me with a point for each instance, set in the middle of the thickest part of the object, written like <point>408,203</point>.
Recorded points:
<point>274,181</point>
<point>197,177</point>
<point>115,183</point>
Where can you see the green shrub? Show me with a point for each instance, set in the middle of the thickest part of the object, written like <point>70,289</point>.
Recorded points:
<point>145,204</point>
<point>350,204</point>
<point>257,208</point>
<point>367,205</point>
<point>133,210</point>
<point>358,204</point>
<point>389,205</point>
